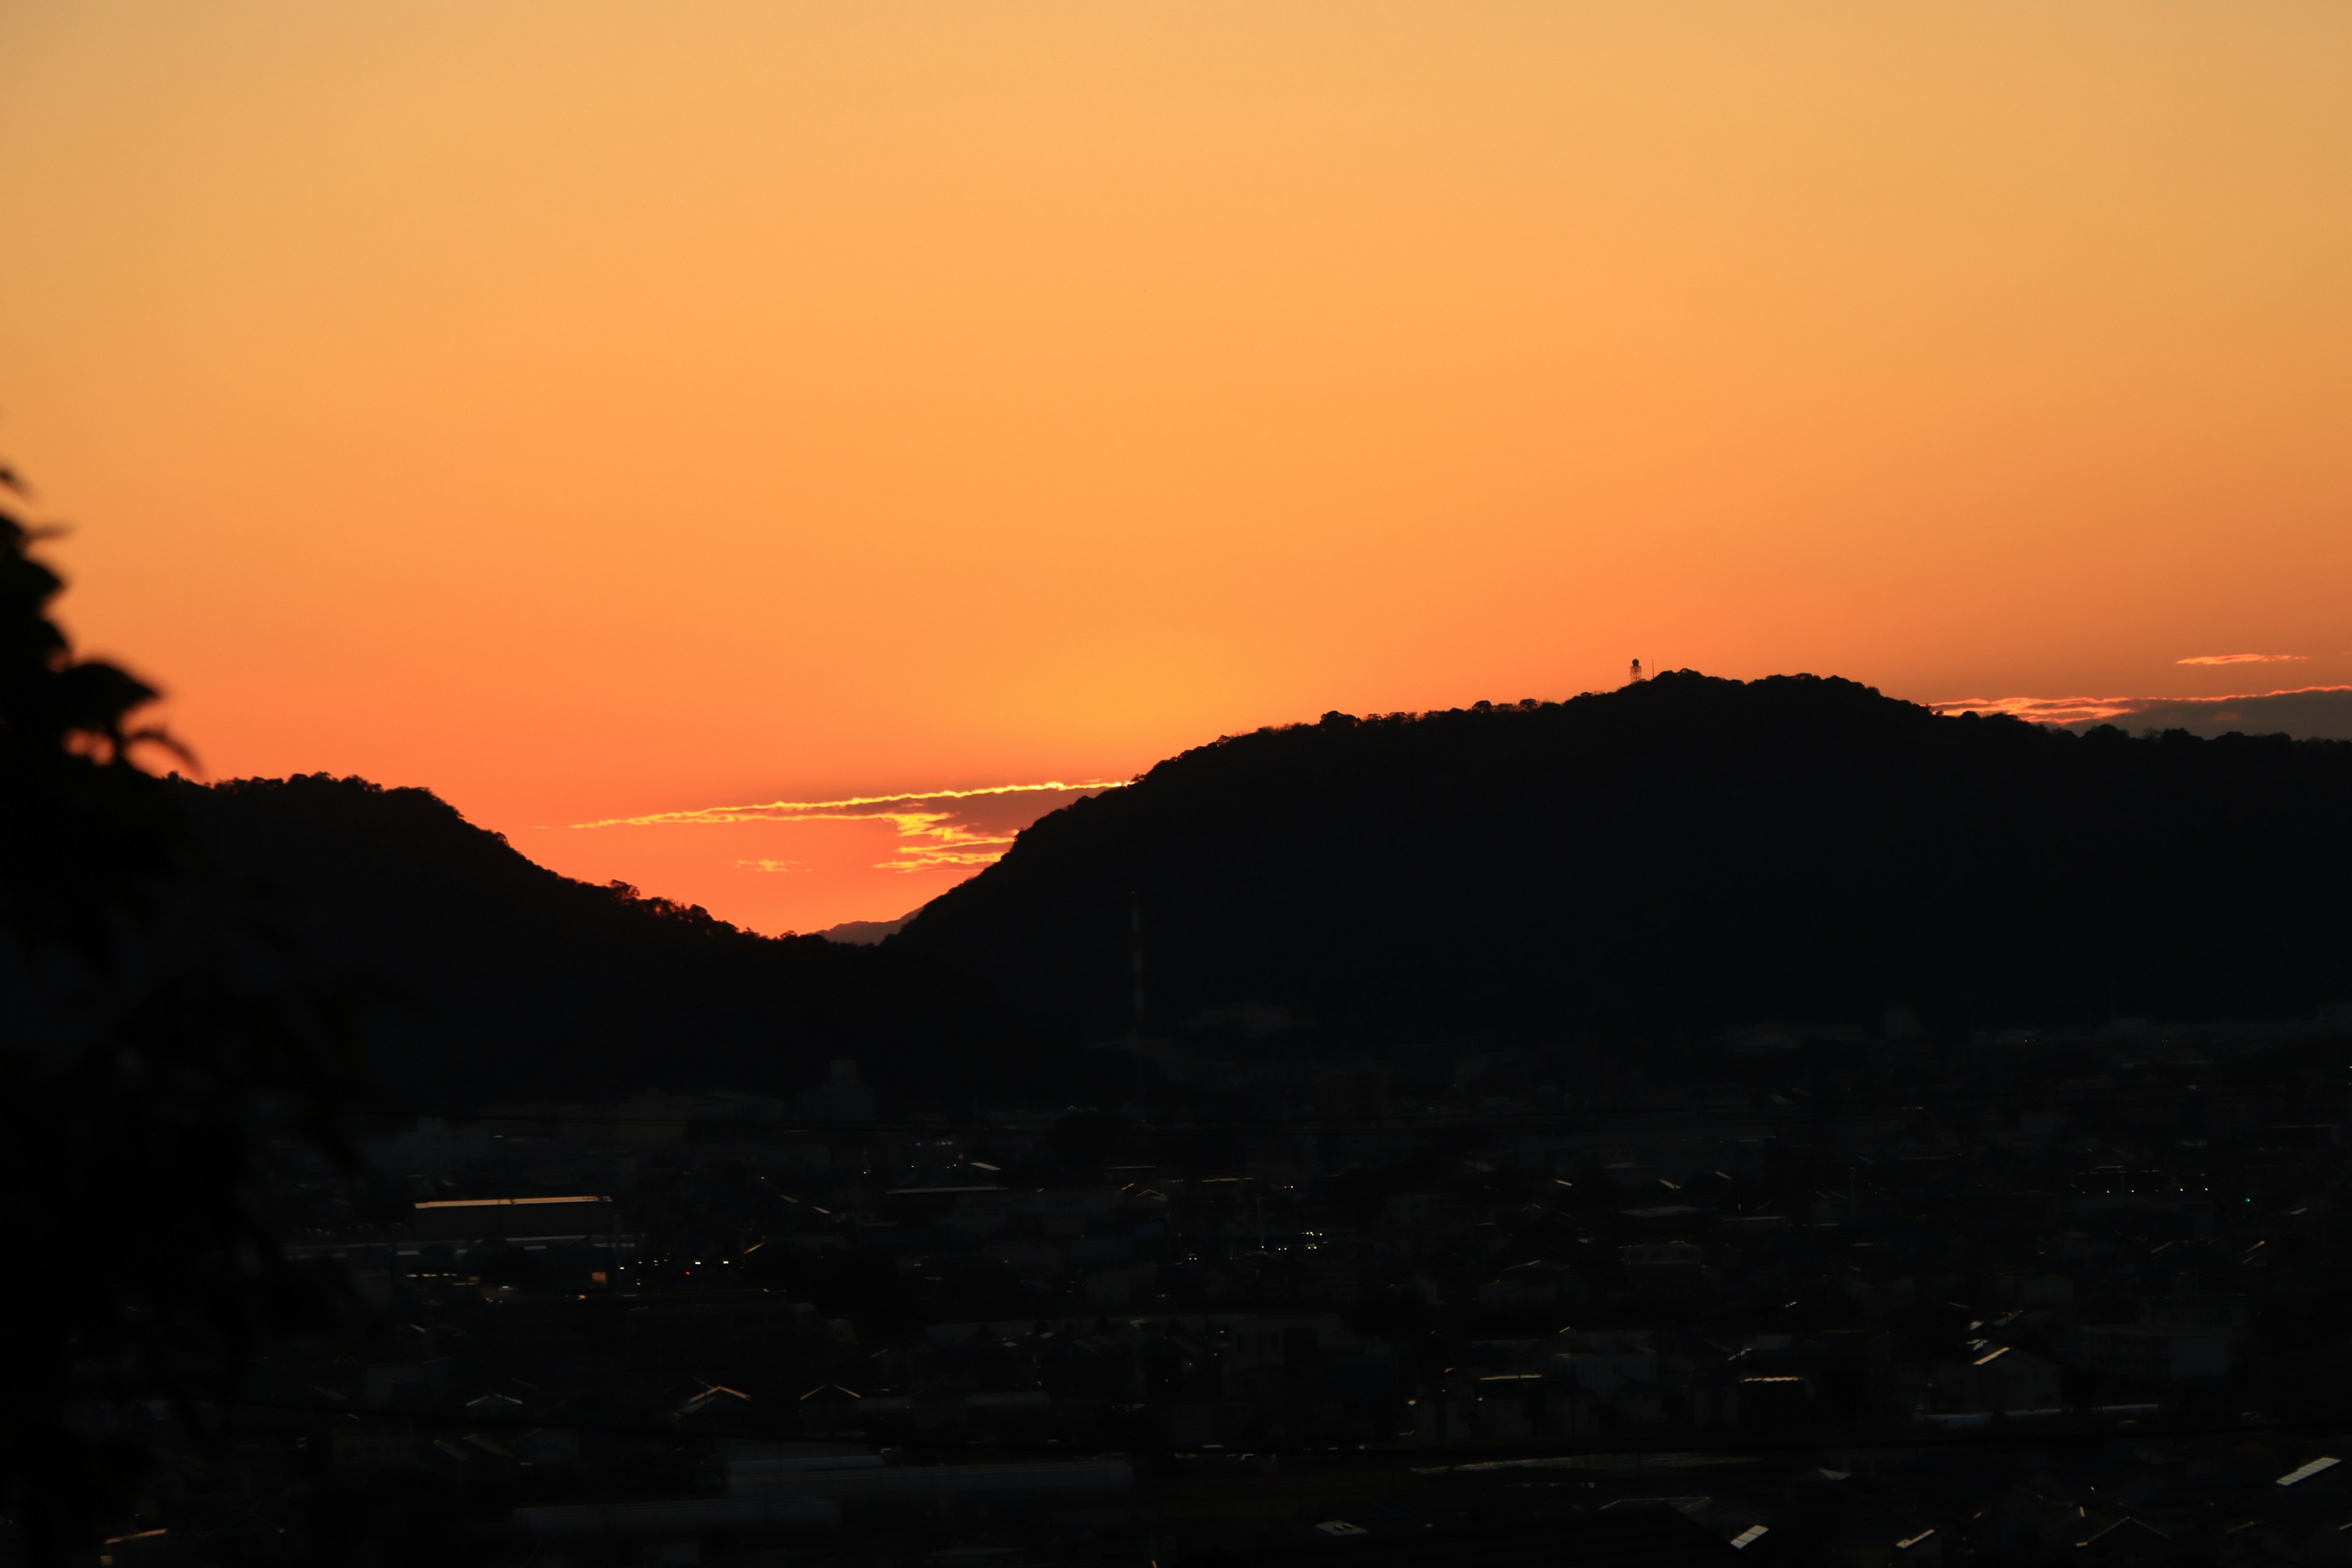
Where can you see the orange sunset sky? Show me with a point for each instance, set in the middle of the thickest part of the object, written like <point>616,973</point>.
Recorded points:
<point>597,411</point>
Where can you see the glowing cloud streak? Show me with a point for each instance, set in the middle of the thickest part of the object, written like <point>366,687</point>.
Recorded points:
<point>2242,658</point>
<point>945,829</point>
<point>2048,709</point>
<point>2310,712</point>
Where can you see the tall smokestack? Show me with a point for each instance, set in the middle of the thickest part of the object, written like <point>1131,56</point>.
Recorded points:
<point>1135,944</point>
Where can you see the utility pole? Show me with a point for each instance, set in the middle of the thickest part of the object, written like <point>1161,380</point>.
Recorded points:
<point>1135,946</point>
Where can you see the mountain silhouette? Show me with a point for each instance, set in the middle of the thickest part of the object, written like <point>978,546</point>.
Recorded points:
<point>507,981</point>
<point>1674,858</point>
<point>864,932</point>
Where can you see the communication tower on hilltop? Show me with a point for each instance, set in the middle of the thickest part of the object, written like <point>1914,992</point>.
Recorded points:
<point>1637,671</point>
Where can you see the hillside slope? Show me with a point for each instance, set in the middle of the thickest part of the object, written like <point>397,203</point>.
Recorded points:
<point>1677,856</point>
<point>522,984</point>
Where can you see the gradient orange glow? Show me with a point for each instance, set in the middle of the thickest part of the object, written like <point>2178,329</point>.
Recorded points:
<point>595,411</point>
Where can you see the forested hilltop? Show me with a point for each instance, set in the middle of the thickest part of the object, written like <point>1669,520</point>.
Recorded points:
<point>501,980</point>
<point>1677,857</point>
<point>1658,862</point>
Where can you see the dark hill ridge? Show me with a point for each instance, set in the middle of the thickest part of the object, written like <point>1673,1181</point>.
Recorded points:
<point>527,985</point>
<point>1677,857</point>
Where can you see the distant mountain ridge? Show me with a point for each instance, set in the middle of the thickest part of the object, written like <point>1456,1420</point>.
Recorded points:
<point>521,984</point>
<point>865,933</point>
<point>1680,856</point>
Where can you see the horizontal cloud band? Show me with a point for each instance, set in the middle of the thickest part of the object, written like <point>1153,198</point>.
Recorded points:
<point>2310,713</point>
<point>942,829</point>
<point>2243,658</point>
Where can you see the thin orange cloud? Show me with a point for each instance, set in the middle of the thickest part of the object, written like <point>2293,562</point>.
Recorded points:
<point>2047,710</point>
<point>2314,712</point>
<point>937,830</point>
<point>2242,658</point>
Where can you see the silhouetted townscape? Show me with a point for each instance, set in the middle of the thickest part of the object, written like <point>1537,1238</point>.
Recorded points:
<point>1706,1195</point>
<point>1832,1294</point>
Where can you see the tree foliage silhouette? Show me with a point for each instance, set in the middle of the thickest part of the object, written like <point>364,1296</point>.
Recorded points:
<point>155,1034</point>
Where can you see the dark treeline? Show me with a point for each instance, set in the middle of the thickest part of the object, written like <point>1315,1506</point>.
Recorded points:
<point>500,980</point>
<point>1677,857</point>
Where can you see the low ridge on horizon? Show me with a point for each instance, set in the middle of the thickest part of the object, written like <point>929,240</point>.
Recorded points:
<point>1677,856</point>
<point>939,836</point>
<point>1684,853</point>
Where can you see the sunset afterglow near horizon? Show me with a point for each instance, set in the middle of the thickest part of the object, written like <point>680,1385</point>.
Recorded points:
<point>897,420</point>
